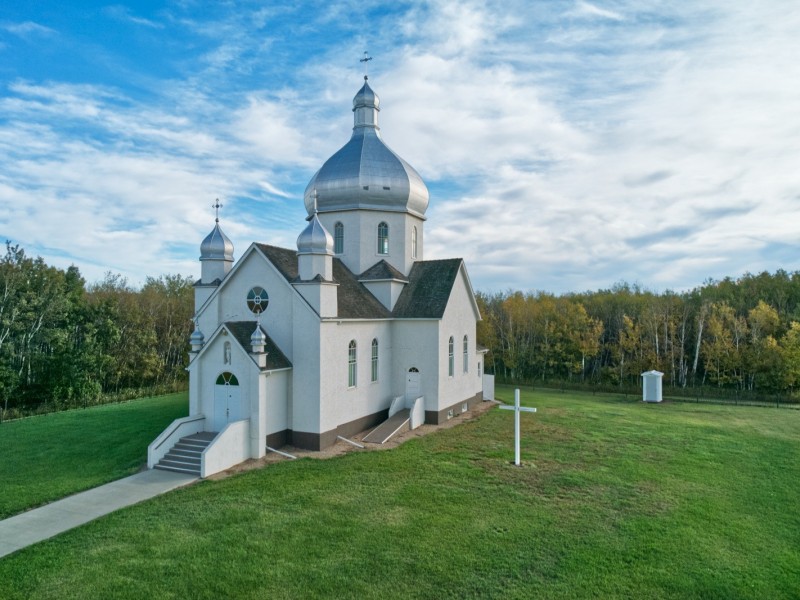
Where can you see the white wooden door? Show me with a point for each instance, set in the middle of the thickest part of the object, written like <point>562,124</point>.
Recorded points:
<point>227,401</point>
<point>412,384</point>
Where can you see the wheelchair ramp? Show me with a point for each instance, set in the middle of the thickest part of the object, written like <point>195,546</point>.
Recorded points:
<point>393,425</point>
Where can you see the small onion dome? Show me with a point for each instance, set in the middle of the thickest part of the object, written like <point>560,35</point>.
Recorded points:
<point>315,239</point>
<point>259,338</point>
<point>197,339</point>
<point>216,246</point>
<point>365,174</point>
<point>366,97</point>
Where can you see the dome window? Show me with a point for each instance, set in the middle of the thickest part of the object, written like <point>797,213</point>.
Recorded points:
<point>414,243</point>
<point>383,238</point>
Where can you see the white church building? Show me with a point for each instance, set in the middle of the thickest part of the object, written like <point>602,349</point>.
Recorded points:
<point>305,345</point>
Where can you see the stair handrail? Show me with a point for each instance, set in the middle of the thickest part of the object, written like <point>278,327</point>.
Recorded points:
<point>154,450</point>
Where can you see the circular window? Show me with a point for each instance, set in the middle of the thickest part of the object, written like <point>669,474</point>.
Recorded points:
<point>257,300</point>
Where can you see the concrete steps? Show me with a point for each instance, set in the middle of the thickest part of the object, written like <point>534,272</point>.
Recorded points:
<point>400,421</point>
<point>185,456</point>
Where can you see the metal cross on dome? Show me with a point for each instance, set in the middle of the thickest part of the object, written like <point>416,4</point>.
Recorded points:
<point>517,409</point>
<point>365,60</point>
<point>217,206</point>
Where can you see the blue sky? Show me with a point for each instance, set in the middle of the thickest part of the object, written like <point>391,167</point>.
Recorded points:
<point>567,145</point>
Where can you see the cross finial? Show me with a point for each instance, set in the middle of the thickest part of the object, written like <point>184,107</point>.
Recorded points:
<point>365,60</point>
<point>217,206</point>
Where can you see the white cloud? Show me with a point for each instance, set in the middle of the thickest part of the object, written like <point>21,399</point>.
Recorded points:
<point>123,13</point>
<point>28,29</point>
<point>569,146</point>
<point>585,9</point>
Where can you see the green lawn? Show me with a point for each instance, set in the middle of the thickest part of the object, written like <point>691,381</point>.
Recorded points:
<point>51,456</point>
<point>615,499</point>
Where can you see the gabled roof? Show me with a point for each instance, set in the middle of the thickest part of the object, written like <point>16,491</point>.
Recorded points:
<point>354,300</point>
<point>428,291</point>
<point>381,271</point>
<point>242,330</point>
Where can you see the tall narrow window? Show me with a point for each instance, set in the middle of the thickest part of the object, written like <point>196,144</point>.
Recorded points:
<point>414,242</point>
<point>374,360</point>
<point>466,358</point>
<point>383,238</point>
<point>351,364</point>
<point>451,359</point>
<point>338,238</point>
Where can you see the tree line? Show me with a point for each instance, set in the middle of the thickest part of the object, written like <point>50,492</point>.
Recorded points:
<point>67,343</point>
<point>739,335</point>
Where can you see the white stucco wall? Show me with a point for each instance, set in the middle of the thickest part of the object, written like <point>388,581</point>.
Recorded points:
<point>277,401</point>
<point>306,369</point>
<point>361,238</point>
<point>339,403</point>
<point>416,344</point>
<point>459,320</point>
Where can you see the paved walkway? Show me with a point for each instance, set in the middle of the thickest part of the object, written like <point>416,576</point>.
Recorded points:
<point>41,523</point>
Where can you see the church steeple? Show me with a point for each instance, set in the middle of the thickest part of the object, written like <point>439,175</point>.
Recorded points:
<point>371,198</point>
<point>216,253</point>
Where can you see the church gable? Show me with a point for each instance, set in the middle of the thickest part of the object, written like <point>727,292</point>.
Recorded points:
<point>355,301</point>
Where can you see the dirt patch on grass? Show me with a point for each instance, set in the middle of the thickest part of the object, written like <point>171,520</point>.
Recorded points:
<point>340,447</point>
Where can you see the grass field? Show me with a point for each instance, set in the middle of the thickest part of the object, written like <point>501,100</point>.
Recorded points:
<point>615,499</point>
<point>51,456</point>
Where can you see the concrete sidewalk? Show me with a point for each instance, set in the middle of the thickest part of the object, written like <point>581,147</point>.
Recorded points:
<point>44,522</point>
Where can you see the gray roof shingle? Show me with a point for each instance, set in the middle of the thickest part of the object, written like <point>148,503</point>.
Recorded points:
<point>242,330</point>
<point>381,270</point>
<point>428,291</point>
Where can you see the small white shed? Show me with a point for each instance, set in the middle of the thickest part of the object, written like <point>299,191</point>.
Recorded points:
<point>651,386</point>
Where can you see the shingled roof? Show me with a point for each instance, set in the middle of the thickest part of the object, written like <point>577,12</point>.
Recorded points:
<point>382,270</point>
<point>242,330</point>
<point>354,300</point>
<point>428,289</point>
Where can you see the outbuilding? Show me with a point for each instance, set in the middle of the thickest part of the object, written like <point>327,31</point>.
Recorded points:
<point>651,386</point>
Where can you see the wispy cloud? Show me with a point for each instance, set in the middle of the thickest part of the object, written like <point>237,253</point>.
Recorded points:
<point>123,13</point>
<point>588,10</point>
<point>27,29</point>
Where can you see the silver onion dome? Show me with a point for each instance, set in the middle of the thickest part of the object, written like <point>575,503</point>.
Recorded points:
<point>315,239</point>
<point>365,173</point>
<point>216,246</point>
<point>258,338</point>
<point>197,338</point>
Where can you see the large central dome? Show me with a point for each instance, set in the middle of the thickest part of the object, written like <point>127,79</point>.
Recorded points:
<point>365,174</point>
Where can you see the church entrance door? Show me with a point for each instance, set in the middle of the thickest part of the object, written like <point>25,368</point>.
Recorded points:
<point>227,401</point>
<point>412,384</point>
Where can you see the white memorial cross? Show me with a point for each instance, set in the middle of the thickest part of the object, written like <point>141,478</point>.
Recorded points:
<point>517,409</point>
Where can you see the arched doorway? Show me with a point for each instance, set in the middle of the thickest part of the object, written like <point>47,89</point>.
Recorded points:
<point>227,401</point>
<point>412,384</point>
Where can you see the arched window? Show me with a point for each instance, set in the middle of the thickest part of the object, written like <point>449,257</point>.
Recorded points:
<point>227,378</point>
<point>351,364</point>
<point>383,238</point>
<point>450,357</point>
<point>375,360</point>
<point>338,238</point>
<point>466,359</point>
<point>414,242</point>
